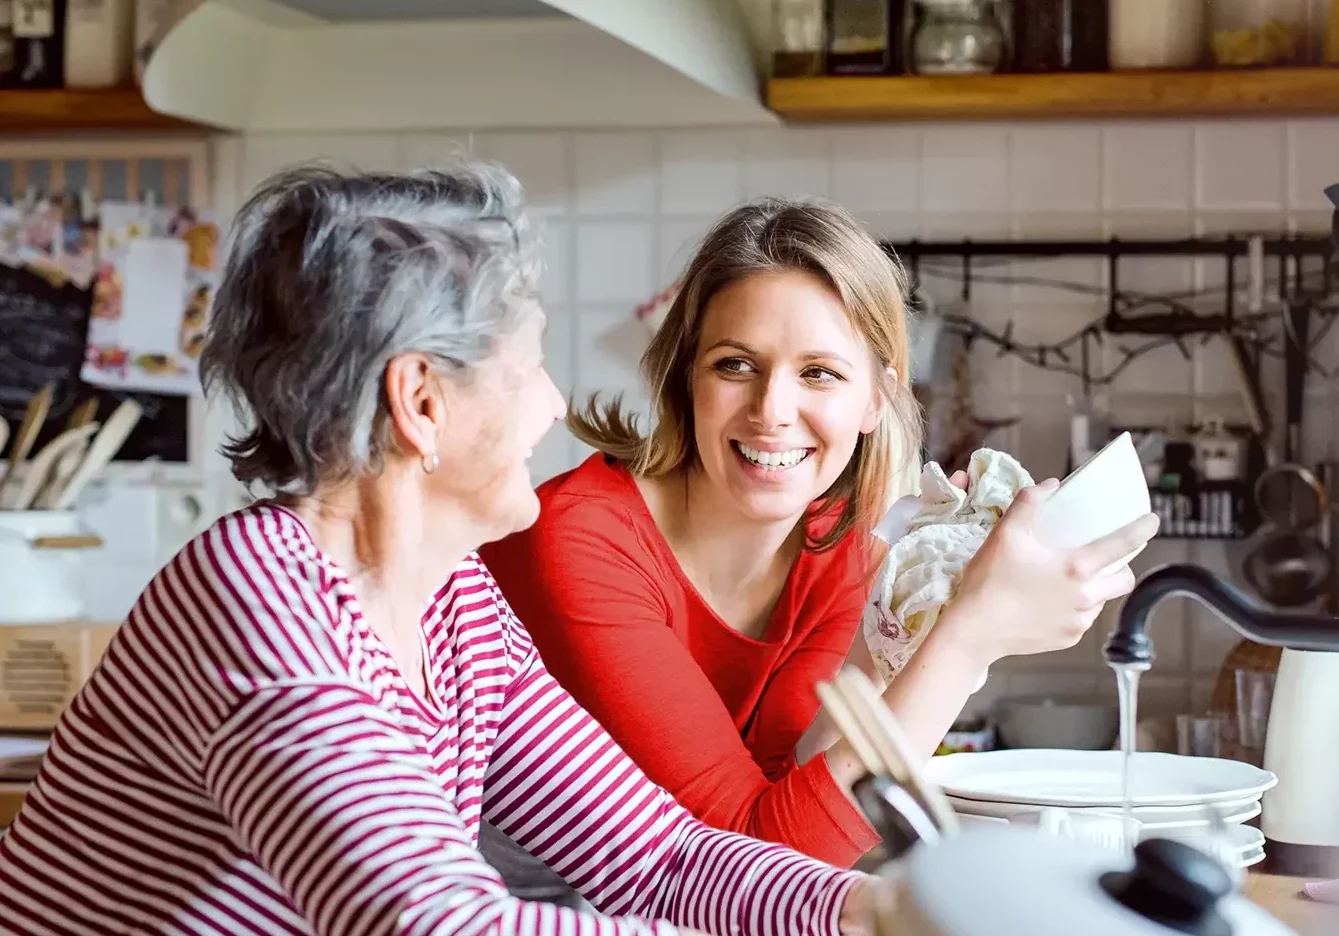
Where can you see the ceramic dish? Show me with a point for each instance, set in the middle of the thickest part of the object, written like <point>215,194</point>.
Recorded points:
<point>21,748</point>
<point>1099,497</point>
<point>1043,777</point>
<point>1156,818</point>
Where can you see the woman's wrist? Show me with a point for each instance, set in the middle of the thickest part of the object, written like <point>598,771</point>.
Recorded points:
<point>958,632</point>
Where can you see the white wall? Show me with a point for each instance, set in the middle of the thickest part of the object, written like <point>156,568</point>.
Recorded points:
<point>622,210</point>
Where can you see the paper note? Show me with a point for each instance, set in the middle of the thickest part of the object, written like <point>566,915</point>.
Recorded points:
<point>155,281</point>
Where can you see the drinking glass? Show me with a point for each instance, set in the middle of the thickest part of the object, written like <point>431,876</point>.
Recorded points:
<point>1255,693</point>
<point>1209,735</point>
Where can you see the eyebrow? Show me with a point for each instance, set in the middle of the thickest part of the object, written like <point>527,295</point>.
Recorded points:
<point>805,356</point>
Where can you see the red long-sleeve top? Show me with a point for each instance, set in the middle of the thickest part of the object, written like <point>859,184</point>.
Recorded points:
<point>708,713</point>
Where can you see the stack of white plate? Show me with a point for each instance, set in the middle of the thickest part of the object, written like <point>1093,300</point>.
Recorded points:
<point>20,756</point>
<point>1172,796</point>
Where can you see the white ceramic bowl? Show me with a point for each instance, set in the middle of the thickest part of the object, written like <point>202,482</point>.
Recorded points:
<point>1099,497</point>
<point>1051,722</point>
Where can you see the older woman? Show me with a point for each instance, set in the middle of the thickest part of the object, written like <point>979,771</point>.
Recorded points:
<point>298,730</point>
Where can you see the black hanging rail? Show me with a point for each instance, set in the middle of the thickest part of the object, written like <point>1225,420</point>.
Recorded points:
<point>1306,245</point>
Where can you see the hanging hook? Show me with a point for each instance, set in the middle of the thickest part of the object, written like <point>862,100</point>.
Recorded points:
<point>1113,280</point>
<point>967,270</point>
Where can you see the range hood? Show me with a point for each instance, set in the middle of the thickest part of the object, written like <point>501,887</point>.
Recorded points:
<point>404,65</point>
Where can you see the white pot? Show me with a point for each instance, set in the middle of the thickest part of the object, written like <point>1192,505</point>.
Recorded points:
<point>39,584</point>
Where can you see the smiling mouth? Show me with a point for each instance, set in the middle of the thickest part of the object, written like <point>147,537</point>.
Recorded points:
<point>771,461</point>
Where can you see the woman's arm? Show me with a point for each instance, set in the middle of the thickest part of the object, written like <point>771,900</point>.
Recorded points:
<point>561,787</point>
<point>578,582</point>
<point>323,788</point>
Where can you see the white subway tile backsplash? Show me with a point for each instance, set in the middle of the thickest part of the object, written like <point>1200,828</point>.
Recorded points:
<point>267,153</point>
<point>611,344</point>
<point>432,150</point>
<point>1148,166</point>
<point>700,173</point>
<point>556,280</point>
<point>622,213</point>
<point>965,169</point>
<point>615,173</point>
<point>1056,168</point>
<point>877,170</point>
<point>1240,165</point>
<point>560,347</point>
<point>540,160</point>
<point>787,163</point>
<point>614,261</point>
<point>678,241</point>
<point>1312,145</point>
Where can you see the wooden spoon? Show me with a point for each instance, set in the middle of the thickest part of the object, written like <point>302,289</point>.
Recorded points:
<point>33,417</point>
<point>101,450</point>
<point>40,468</point>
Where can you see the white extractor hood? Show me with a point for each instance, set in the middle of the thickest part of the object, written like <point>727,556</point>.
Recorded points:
<point>348,65</point>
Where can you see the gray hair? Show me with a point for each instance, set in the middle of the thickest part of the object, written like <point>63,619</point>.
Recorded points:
<point>329,277</point>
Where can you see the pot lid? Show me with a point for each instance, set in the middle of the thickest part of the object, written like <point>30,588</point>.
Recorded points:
<point>1009,882</point>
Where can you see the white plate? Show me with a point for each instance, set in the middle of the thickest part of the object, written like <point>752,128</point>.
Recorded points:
<point>1251,859</point>
<point>1157,818</point>
<point>21,747</point>
<point>1042,777</point>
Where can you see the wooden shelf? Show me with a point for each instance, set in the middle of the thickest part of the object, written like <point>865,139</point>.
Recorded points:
<point>1265,92</point>
<point>70,110</point>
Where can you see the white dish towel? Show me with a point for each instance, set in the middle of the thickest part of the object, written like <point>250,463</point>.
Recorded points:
<point>932,536</point>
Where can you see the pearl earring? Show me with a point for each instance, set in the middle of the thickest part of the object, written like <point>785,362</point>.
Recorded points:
<point>429,462</point>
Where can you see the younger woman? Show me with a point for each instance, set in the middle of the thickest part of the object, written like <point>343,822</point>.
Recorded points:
<point>690,584</point>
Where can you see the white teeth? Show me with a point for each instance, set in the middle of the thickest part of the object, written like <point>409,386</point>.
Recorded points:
<point>775,461</point>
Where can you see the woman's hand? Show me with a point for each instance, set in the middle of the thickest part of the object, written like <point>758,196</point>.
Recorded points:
<point>1018,596</point>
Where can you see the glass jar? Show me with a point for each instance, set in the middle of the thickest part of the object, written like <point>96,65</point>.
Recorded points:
<point>957,37</point>
<point>1059,35</point>
<point>1261,32</point>
<point>797,40</point>
<point>1153,34</point>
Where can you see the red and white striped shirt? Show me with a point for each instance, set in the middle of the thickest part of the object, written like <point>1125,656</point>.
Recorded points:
<point>248,761</point>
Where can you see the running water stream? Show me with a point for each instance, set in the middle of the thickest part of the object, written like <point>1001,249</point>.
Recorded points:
<point>1127,694</point>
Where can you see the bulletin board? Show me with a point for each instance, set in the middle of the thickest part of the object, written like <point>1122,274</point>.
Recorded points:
<point>43,326</point>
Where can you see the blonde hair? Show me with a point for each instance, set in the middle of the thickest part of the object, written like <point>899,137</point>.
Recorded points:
<point>768,235</point>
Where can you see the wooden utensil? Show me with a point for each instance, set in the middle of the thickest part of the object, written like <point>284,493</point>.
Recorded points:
<point>82,414</point>
<point>33,417</point>
<point>60,475</point>
<point>101,450</point>
<point>887,734</point>
<point>42,465</point>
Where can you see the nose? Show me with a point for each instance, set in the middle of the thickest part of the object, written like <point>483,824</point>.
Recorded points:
<point>557,402</point>
<point>775,402</point>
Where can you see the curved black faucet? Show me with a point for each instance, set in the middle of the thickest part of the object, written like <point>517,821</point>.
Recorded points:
<point>1129,643</point>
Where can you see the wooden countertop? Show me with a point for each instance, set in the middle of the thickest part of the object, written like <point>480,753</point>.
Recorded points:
<point>1282,896</point>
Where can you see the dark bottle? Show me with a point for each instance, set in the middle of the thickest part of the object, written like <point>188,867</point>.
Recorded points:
<point>1060,35</point>
<point>865,37</point>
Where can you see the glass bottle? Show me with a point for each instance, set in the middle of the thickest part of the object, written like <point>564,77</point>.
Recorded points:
<point>797,41</point>
<point>865,37</point>
<point>957,37</point>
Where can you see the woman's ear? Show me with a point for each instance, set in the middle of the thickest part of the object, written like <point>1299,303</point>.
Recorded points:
<point>879,401</point>
<point>414,403</point>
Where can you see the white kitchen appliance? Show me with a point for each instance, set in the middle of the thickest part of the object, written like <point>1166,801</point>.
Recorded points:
<point>1300,815</point>
<point>1015,882</point>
